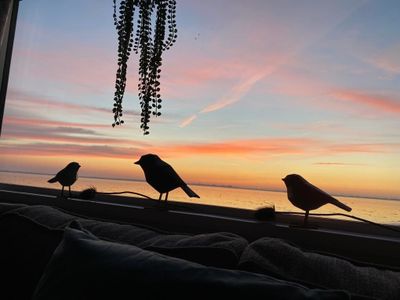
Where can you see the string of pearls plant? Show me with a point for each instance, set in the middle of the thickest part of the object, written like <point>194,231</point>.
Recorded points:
<point>155,32</point>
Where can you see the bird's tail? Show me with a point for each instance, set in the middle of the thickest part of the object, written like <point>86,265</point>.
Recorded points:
<point>54,179</point>
<point>341,205</point>
<point>189,191</point>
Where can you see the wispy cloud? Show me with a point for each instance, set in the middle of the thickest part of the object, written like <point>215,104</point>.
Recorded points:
<point>61,137</point>
<point>387,59</point>
<point>18,121</point>
<point>60,132</point>
<point>377,102</point>
<point>284,43</point>
<point>321,126</point>
<point>338,164</point>
<point>236,93</point>
<point>76,150</point>
<point>183,70</point>
<point>364,147</point>
<point>26,101</point>
<point>188,121</point>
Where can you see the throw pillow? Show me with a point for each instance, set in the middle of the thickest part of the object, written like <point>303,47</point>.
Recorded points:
<point>278,258</point>
<point>84,267</point>
<point>25,249</point>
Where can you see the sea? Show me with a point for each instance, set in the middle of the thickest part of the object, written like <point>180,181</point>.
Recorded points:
<point>384,211</point>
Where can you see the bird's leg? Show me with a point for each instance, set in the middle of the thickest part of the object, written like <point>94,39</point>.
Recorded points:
<point>159,198</point>
<point>306,219</point>
<point>166,197</point>
<point>69,189</point>
<point>62,192</point>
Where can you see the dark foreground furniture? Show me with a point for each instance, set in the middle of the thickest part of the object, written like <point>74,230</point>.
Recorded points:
<point>46,253</point>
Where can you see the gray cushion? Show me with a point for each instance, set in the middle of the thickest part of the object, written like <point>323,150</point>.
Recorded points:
<point>278,258</point>
<point>25,249</point>
<point>220,249</point>
<point>4,207</point>
<point>84,267</point>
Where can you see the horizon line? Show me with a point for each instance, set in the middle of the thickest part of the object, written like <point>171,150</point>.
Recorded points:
<point>395,198</point>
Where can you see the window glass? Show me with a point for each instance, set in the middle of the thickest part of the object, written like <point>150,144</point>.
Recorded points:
<point>252,91</point>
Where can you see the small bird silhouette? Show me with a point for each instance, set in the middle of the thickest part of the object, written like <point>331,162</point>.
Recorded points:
<point>306,196</point>
<point>67,176</point>
<point>161,176</point>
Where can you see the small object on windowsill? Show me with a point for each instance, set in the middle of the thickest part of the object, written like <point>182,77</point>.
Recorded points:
<point>88,194</point>
<point>66,177</point>
<point>268,214</point>
<point>306,196</point>
<point>265,213</point>
<point>162,177</point>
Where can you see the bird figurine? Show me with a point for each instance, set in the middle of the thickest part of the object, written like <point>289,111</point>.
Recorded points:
<point>67,176</point>
<point>162,177</point>
<point>306,196</point>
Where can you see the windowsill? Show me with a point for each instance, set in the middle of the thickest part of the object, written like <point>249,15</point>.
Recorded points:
<point>352,239</point>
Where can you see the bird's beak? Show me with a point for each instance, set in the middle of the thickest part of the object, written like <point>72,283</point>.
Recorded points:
<point>283,179</point>
<point>137,162</point>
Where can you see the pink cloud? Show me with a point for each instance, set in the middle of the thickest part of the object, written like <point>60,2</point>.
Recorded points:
<point>294,83</point>
<point>51,136</point>
<point>24,100</point>
<point>60,132</point>
<point>10,120</point>
<point>189,72</point>
<point>246,81</point>
<point>317,93</point>
<point>377,102</point>
<point>206,74</point>
<point>20,99</point>
<point>55,150</point>
<point>272,146</point>
<point>265,61</point>
<point>60,145</point>
<point>84,146</point>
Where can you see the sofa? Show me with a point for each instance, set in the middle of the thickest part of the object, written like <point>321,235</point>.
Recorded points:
<point>48,253</point>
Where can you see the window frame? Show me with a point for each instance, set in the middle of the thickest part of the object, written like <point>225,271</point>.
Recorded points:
<point>191,218</point>
<point>278,228</point>
<point>7,25</point>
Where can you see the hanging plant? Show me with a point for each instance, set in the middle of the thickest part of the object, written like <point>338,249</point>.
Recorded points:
<point>151,38</point>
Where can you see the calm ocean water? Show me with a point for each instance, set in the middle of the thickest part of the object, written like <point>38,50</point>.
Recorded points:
<point>377,210</point>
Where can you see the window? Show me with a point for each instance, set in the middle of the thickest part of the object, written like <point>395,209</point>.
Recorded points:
<point>252,92</point>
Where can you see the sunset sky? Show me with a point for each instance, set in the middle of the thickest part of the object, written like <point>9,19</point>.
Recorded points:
<point>252,91</point>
